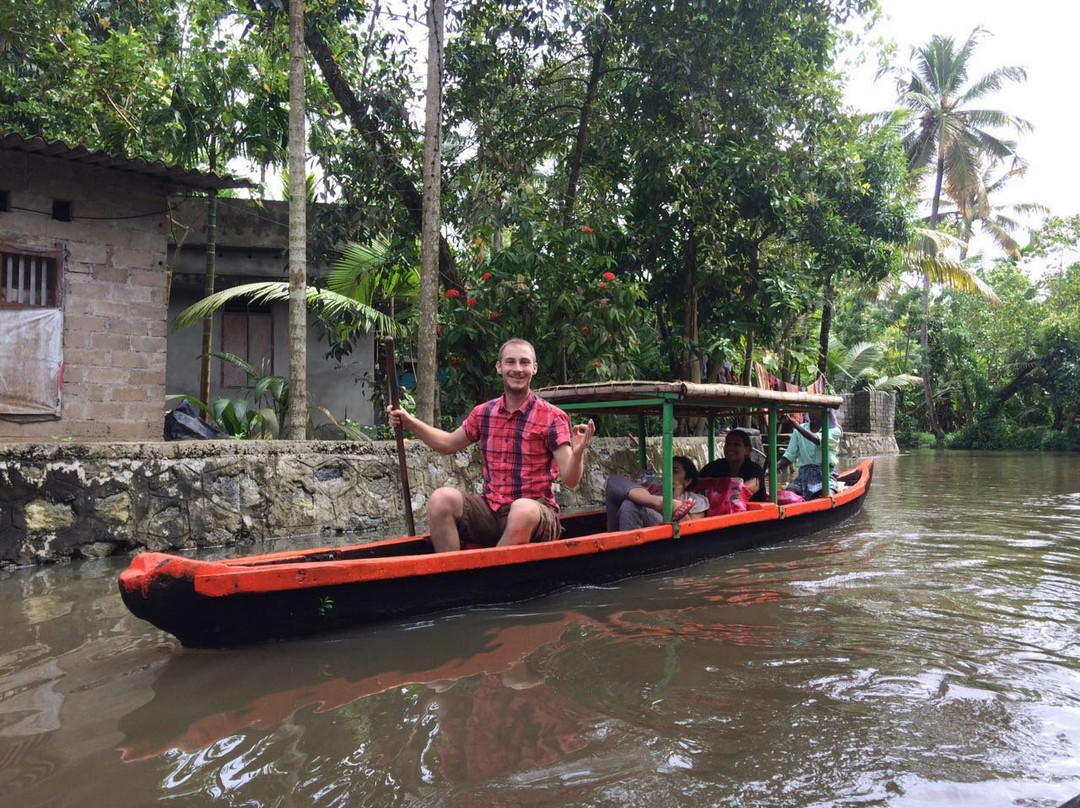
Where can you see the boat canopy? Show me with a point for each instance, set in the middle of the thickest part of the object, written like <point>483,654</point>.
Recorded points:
<point>678,398</point>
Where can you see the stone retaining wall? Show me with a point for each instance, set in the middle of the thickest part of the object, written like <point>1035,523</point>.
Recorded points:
<point>63,501</point>
<point>856,444</point>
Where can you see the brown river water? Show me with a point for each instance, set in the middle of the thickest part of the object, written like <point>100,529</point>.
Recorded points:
<point>925,653</point>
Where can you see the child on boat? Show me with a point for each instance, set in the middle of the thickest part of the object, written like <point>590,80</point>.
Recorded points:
<point>632,505</point>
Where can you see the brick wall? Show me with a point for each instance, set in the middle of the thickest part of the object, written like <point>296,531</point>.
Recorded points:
<point>871,412</point>
<point>114,293</point>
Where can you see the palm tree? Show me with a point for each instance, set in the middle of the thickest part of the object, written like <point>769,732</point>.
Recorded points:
<point>947,135</point>
<point>858,368</point>
<point>925,256</point>
<point>362,282</point>
<point>999,222</point>
<point>296,422</point>
<point>430,214</point>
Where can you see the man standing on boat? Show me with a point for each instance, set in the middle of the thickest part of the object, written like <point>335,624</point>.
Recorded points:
<point>522,440</point>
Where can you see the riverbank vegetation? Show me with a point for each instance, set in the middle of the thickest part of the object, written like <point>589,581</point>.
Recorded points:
<point>642,190</point>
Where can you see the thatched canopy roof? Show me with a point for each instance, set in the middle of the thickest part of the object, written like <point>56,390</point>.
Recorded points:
<point>637,397</point>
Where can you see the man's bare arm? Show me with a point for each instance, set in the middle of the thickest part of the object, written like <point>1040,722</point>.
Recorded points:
<point>806,433</point>
<point>569,457</point>
<point>441,441</point>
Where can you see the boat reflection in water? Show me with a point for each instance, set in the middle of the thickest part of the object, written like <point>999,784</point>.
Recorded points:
<point>333,673</point>
<point>491,692</point>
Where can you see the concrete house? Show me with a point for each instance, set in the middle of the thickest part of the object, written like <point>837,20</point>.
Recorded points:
<point>83,246</point>
<point>98,254</point>
<point>252,239</point>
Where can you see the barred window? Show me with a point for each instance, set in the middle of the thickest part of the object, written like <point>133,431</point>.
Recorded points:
<point>31,331</point>
<point>29,279</point>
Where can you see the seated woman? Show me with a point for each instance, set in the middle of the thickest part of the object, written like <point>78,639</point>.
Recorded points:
<point>736,462</point>
<point>631,505</point>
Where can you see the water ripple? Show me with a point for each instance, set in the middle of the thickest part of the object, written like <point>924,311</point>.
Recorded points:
<point>926,653</point>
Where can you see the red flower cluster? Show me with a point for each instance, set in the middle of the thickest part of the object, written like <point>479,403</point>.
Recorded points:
<point>608,276</point>
<point>486,276</point>
<point>586,229</point>
<point>452,294</point>
<point>603,285</point>
<point>470,301</point>
<point>584,329</point>
<point>493,316</point>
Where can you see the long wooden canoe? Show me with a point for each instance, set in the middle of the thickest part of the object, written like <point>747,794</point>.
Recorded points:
<point>245,600</point>
<point>289,594</point>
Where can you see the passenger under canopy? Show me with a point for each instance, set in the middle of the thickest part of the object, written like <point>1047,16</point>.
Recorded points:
<point>687,399</point>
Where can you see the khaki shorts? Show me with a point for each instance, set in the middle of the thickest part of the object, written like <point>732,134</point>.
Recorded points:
<point>484,527</point>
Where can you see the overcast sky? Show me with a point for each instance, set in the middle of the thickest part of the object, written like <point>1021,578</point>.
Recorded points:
<point>1039,35</point>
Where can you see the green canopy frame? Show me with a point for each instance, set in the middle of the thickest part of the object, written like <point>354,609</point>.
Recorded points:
<point>710,401</point>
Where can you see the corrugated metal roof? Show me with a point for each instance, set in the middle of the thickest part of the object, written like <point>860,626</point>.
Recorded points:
<point>174,175</point>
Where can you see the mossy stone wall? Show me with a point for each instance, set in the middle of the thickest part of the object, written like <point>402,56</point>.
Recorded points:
<point>70,501</point>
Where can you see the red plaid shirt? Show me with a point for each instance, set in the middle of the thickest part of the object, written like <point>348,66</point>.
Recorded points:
<point>518,448</point>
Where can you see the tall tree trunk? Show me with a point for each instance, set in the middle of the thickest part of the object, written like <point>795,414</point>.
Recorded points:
<point>748,375</point>
<point>966,232</point>
<point>749,291</point>
<point>924,343</point>
<point>578,155</point>
<point>969,404</point>
<point>1060,420</point>
<point>296,426</point>
<point>208,288</point>
<point>691,360</point>
<point>924,340</point>
<point>382,151</point>
<point>748,358</point>
<point>1024,379</point>
<point>826,326</point>
<point>429,242</point>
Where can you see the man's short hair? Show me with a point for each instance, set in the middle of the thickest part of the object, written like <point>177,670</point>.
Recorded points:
<point>516,341</point>
<point>742,435</point>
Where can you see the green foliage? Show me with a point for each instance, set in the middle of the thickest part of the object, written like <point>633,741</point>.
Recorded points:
<point>584,318</point>
<point>1067,440</point>
<point>261,420</point>
<point>171,80</point>
<point>917,440</point>
<point>1001,434</point>
<point>329,304</point>
<point>378,278</point>
<point>722,180</point>
<point>944,132</point>
<point>324,605</point>
<point>698,152</point>
<point>238,417</point>
<point>856,369</point>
